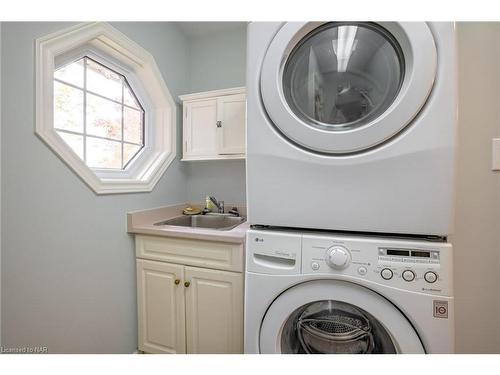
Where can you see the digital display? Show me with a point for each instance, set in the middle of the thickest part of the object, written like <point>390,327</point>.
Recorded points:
<point>421,254</point>
<point>402,253</point>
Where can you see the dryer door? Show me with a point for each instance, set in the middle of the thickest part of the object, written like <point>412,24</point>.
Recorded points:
<point>344,87</point>
<point>336,317</point>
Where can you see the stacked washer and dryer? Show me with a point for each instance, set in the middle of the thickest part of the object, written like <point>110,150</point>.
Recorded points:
<point>350,166</point>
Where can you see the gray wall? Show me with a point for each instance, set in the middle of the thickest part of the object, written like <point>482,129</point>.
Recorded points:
<point>477,229</point>
<point>217,61</point>
<point>68,267</point>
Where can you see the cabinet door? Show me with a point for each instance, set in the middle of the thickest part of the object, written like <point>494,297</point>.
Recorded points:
<point>200,128</point>
<point>161,307</point>
<point>231,112</point>
<point>214,311</point>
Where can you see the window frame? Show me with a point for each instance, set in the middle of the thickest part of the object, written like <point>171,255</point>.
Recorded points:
<point>109,47</point>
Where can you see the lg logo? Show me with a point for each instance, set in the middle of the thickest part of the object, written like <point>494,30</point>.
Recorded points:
<point>257,239</point>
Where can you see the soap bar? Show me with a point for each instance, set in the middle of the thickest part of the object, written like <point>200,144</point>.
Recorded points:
<point>191,211</point>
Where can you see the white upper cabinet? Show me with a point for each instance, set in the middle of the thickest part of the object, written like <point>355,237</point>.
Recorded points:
<point>231,119</point>
<point>200,131</point>
<point>214,125</point>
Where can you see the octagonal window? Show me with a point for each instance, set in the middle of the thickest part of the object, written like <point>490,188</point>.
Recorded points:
<point>103,107</point>
<point>97,114</point>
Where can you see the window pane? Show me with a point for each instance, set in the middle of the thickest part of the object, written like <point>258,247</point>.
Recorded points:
<point>71,73</point>
<point>132,125</point>
<point>68,108</point>
<point>103,154</point>
<point>103,81</point>
<point>103,117</point>
<point>97,114</point>
<point>128,97</point>
<point>129,151</point>
<point>74,141</point>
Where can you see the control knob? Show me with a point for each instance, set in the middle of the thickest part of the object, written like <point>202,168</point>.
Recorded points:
<point>338,257</point>
<point>386,274</point>
<point>430,277</point>
<point>408,275</point>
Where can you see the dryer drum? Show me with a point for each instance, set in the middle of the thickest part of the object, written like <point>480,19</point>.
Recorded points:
<point>339,332</point>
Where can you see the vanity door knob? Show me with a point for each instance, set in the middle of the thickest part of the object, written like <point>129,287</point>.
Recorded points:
<point>187,284</point>
<point>177,282</point>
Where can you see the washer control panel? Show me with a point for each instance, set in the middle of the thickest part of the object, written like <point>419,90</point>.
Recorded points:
<point>412,264</point>
<point>420,266</point>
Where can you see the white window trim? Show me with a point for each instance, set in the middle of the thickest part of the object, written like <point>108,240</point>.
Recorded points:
<point>117,51</point>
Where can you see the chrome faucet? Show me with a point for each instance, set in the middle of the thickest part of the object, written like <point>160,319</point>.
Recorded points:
<point>218,204</point>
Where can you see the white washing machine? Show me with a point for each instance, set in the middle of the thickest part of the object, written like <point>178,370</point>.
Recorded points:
<point>325,293</point>
<point>352,125</point>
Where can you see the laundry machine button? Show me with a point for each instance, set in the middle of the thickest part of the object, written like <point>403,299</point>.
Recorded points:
<point>338,257</point>
<point>315,266</point>
<point>430,277</point>
<point>408,275</point>
<point>386,274</point>
<point>362,270</point>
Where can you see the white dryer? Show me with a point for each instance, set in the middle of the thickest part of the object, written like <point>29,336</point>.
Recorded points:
<point>351,126</point>
<point>326,293</point>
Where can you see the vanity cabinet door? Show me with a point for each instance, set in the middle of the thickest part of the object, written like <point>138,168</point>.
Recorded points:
<point>214,311</point>
<point>161,307</point>
<point>231,120</point>
<point>200,128</point>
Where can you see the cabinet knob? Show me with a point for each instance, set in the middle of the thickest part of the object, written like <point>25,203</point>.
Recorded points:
<point>177,282</point>
<point>187,284</point>
<point>219,124</point>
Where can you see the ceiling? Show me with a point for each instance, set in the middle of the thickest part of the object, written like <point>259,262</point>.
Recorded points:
<point>197,29</point>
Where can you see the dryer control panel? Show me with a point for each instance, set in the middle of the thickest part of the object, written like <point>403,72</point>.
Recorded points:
<point>419,266</point>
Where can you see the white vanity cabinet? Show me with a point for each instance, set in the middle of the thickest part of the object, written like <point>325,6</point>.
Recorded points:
<point>214,125</point>
<point>214,311</point>
<point>189,295</point>
<point>161,307</point>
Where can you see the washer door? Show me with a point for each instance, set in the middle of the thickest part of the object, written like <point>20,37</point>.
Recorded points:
<point>344,87</point>
<point>336,317</point>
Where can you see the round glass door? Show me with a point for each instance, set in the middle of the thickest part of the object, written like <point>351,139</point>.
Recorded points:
<point>334,327</point>
<point>340,88</point>
<point>334,316</point>
<point>343,75</point>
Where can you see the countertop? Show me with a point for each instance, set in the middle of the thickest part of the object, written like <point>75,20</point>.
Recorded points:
<point>142,222</point>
